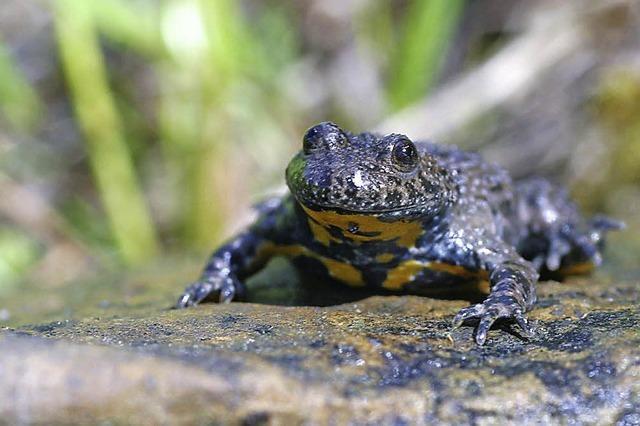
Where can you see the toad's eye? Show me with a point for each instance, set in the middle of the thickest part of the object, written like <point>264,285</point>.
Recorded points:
<point>405,155</point>
<point>325,134</point>
<point>312,140</point>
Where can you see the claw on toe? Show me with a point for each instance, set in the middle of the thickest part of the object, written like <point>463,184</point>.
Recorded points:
<point>487,316</point>
<point>524,325</point>
<point>225,288</point>
<point>194,294</point>
<point>227,293</point>
<point>486,321</point>
<point>183,301</point>
<point>465,314</point>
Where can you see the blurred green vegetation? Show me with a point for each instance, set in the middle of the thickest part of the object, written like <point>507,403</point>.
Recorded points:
<point>132,130</point>
<point>19,103</point>
<point>18,253</point>
<point>205,120</point>
<point>95,109</point>
<point>426,33</point>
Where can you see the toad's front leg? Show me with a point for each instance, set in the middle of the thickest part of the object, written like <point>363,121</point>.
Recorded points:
<point>512,294</point>
<point>242,256</point>
<point>224,271</point>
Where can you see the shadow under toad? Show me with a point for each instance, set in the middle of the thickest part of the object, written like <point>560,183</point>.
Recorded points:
<point>280,283</point>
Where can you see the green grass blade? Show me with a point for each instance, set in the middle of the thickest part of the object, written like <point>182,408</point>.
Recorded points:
<point>428,28</point>
<point>18,101</point>
<point>135,26</point>
<point>110,159</point>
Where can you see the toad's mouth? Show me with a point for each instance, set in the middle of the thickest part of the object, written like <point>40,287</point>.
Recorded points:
<point>373,211</point>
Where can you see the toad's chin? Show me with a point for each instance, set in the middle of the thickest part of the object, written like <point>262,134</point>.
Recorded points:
<point>340,226</point>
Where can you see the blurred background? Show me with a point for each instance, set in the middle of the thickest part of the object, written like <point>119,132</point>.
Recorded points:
<point>136,134</point>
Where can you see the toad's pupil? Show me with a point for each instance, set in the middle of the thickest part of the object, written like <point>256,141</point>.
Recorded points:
<point>311,140</point>
<point>405,153</point>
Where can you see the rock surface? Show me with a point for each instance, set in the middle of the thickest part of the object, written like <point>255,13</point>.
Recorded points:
<point>383,359</point>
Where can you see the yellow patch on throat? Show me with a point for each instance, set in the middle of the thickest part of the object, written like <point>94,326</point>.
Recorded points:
<point>341,271</point>
<point>369,228</point>
<point>320,233</point>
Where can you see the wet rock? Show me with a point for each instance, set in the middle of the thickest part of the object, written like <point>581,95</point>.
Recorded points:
<point>383,359</point>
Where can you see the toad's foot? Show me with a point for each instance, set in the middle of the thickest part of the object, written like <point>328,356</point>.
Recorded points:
<point>489,311</point>
<point>225,287</point>
<point>569,245</point>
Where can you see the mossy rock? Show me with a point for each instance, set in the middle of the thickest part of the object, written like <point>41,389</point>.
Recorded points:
<point>384,359</point>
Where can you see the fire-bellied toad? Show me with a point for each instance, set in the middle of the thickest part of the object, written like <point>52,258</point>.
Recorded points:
<point>410,216</point>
